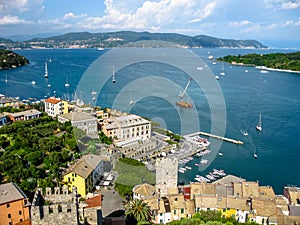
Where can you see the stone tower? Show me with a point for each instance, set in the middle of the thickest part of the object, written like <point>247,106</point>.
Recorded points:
<point>166,175</point>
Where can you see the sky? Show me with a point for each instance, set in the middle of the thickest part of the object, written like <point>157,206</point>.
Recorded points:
<point>275,23</point>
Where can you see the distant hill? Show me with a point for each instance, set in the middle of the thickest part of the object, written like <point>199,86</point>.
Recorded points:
<point>115,39</point>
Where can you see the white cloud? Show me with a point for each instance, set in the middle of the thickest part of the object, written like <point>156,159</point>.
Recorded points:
<point>288,23</point>
<point>281,4</point>
<point>12,20</point>
<point>71,15</point>
<point>240,23</point>
<point>150,14</point>
<point>291,5</point>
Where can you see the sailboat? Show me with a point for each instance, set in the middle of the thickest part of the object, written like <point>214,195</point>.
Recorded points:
<point>254,155</point>
<point>93,93</point>
<point>258,126</point>
<point>113,76</point>
<point>6,80</point>
<point>67,84</point>
<point>131,102</point>
<point>46,70</point>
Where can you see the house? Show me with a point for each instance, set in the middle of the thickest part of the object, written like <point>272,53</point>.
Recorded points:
<point>56,106</point>
<point>3,120</point>
<point>14,205</point>
<point>92,209</point>
<point>81,120</point>
<point>9,102</point>
<point>25,115</point>
<point>143,191</point>
<point>127,127</point>
<point>85,173</point>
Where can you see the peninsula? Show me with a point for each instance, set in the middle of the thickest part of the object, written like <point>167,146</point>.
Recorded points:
<point>9,59</point>
<point>277,61</point>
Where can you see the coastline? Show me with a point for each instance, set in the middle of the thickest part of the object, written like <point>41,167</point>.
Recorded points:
<point>263,67</point>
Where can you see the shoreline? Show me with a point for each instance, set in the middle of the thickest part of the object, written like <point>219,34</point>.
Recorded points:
<point>263,67</point>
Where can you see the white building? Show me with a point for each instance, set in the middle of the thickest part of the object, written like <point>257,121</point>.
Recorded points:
<point>81,120</point>
<point>126,127</point>
<point>55,106</point>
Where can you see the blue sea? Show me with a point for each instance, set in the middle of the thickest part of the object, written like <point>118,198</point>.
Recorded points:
<point>246,94</point>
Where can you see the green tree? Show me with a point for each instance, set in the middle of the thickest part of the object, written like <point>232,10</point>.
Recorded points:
<point>139,210</point>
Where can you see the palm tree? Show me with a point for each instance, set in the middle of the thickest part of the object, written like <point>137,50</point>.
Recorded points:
<point>138,209</point>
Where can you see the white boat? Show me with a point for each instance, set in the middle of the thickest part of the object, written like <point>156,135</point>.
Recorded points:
<point>188,167</point>
<point>217,77</point>
<point>67,85</point>
<point>210,57</point>
<point>255,156</point>
<point>131,102</point>
<point>50,60</point>
<point>264,71</point>
<point>220,154</point>
<point>199,68</point>
<point>49,85</point>
<point>246,71</point>
<point>113,76</point>
<point>244,132</point>
<point>6,79</point>
<point>46,70</point>
<point>100,49</point>
<point>222,74</point>
<point>33,82</point>
<point>258,126</point>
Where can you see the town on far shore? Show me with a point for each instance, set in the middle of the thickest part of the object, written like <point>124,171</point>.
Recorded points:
<point>121,161</point>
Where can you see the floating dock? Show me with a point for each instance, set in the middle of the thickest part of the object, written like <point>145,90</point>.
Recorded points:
<point>217,137</point>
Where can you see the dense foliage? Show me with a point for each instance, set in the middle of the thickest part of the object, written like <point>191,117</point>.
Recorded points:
<point>9,59</point>
<point>35,152</point>
<point>286,61</point>
<point>131,173</point>
<point>211,217</point>
<point>138,211</point>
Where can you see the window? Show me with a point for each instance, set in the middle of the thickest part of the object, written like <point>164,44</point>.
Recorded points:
<point>20,212</point>
<point>224,210</point>
<point>160,214</point>
<point>181,211</point>
<point>69,180</point>
<point>7,205</point>
<point>174,211</point>
<point>9,215</point>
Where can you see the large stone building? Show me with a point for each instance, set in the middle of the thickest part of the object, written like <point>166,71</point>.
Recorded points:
<point>14,205</point>
<point>55,208</point>
<point>81,120</point>
<point>126,127</point>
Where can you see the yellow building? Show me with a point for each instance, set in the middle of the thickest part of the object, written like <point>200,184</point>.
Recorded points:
<point>80,176</point>
<point>65,107</point>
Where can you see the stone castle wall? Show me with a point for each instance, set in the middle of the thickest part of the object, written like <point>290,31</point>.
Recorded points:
<point>54,208</point>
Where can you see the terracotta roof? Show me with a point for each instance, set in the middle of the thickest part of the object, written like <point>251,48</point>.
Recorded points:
<point>145,190</point>
<point>210,202</point>
<point>264,207</point>
<point>202,188</point>
<point>94,202</point>
<point>10,192</point>
<point>152,203</point>
<point>250,189</point>
<point>238,203</point>
<point>266,192</point>
<point>229,179</point>
<point>53,100</point>
<point>177,201</point>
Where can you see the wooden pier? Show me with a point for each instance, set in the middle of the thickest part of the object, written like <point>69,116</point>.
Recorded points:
<point>217,137</point>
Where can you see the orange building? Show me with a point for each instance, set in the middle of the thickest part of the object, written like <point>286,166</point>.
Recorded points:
<point>14,205</point>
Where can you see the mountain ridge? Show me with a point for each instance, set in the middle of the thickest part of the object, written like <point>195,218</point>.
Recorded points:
<point>116,39</point>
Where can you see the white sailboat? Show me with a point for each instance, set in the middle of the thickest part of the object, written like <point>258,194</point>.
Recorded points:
<point>67,85</point>
<point>6,80</point>
<point>46,70</point>
<point>33,82</point>
<point>258,126</point>
<point>113,76</point>
<point>131,102</point>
